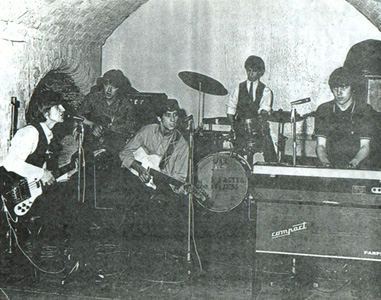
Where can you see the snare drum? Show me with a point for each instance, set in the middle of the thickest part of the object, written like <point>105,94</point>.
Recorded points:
<point>223,176</point>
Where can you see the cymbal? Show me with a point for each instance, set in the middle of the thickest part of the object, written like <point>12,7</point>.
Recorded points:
<point>203,83</point>
<point>280,116</point>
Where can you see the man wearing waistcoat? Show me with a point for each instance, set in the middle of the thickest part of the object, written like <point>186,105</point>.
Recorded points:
<point>33,155</point>
<point>248,106</point>
<point>30,149</point>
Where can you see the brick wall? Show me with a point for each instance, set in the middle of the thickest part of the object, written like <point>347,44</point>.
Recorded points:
<point>39,36</point>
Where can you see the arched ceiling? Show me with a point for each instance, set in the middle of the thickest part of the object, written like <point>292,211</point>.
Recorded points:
<point>371,9</point>
<point>78,22</point>
<point>91,22</point>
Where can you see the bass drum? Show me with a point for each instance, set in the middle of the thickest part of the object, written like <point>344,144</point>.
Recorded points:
<point>223,176</point>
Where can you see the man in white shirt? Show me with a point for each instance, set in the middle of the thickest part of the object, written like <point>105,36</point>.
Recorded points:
<point>30,156</point>
<point>250,103</point>
<point>252,89</point>
<point>29,151</point>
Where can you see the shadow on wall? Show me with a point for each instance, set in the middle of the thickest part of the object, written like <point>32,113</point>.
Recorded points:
<point>64,84</point>
<point>364,59</point>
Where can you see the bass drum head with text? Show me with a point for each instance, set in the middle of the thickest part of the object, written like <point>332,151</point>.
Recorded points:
<point>223,178</point>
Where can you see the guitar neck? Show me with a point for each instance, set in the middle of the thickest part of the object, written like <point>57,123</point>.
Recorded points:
<point>163,177</point>
<point>64,169</point>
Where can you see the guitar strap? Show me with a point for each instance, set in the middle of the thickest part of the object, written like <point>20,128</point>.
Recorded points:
<point>171,147</point>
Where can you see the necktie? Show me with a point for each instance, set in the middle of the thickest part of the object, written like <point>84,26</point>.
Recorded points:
<point>251,90</point>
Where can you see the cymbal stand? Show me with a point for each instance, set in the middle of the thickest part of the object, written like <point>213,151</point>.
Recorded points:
<point>293,128</point>
<point>190,195</point>
<point>281,141</point>
<point>201,106</point>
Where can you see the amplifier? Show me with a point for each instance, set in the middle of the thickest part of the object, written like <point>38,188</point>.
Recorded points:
<point>317,212</point>
<point>144,106</point>
<point>319,231</point>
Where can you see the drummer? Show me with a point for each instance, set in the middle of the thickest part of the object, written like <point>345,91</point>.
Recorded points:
<point>252,100</point>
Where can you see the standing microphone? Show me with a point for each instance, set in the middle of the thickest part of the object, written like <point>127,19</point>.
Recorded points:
<point>190,117</point>
<point>74,117</point>
<point>301,101</point>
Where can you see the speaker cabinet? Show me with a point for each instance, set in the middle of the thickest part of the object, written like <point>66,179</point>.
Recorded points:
<point>319,231</point>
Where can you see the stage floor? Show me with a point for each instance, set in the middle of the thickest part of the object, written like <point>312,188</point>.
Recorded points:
<point>138,264</point>
<point>150,268</point>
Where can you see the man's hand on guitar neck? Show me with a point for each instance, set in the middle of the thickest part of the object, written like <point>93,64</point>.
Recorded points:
<point>144,175</point>
<point>187,188</point>
<point>182,189</point>
<point>47,178</point>
<point>98,131</point>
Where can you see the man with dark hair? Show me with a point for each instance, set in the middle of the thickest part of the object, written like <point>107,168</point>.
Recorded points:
<point>30,150</point>
<point>108,113</point>
<point>109,121</point>
<point>252,100</point>
<point>344,126</point>
<point>31,155</point>
<point>168,151</point>
<point>162,139</point>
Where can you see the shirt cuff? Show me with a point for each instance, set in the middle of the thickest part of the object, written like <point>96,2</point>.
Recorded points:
<point>231,111</point>
<point>127,162</point>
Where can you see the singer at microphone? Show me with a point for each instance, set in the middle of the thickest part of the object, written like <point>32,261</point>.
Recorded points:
<point>75,117</point>
<point>301,101</point>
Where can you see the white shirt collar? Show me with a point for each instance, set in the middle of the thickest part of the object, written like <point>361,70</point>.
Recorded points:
<point>47,131</point>
<point>255,84</point>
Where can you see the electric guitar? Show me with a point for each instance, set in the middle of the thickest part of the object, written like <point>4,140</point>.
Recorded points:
<point>19,193</point>
<point>151,163</point>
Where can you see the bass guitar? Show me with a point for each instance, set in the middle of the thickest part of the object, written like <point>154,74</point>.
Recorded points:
<point>151,163</point>
<point>19,194</point>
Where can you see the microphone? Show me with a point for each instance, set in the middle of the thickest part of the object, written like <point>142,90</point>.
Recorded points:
<point>190,117</point>
<point>301,101</point>
<point>75,117</point>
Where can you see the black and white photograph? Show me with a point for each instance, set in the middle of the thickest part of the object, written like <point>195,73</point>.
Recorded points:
<point>190,149</point>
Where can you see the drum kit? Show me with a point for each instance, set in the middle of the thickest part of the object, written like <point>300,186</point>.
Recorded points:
<point>223,171</point>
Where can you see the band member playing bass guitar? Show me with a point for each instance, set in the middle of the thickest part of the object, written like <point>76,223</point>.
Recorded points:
<point>30,168</point>
<point>30,149</point>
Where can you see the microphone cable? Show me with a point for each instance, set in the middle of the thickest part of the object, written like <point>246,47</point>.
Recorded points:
<point>13,231</point>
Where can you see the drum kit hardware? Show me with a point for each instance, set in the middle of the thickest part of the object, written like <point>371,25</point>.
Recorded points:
<point>253,133</point>
<point>281,117</point>
<point>224,176</point>
<point>223,173</point>
<point>204,85</point>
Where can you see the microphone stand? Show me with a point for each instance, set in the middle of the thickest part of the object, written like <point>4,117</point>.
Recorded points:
<point>190,195</point>
<point>81,134</point>
<point>293,126</point>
